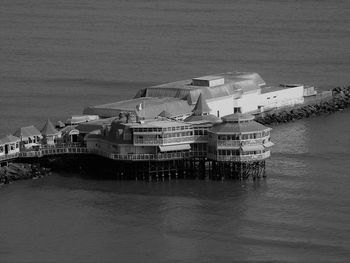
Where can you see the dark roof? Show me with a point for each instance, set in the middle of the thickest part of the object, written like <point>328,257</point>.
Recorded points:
<point>60,124</point>
<point>230,127</point>
<point>238,117</point>
<point>26,132</point>
<point>94,125</point>
<point>165,114</point>
<point>9,139</point>
<point>209,118</point>
<point>49,129</point>
<point>201,106</point>
<point>69,129</point>
<point>144,107</point>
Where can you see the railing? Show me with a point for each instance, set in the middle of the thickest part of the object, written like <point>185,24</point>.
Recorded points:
<point>178,139</point>
<point>239,158</point>
<point>150,157</point>
<point>239,143</point>
<point>44,150</point>
<point>9,156</point>
<point>201,138</point>
<point>164,141</point>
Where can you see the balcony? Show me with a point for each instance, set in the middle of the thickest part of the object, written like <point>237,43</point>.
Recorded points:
<point>201,138</point>
<point>223,144</point>
<point>43,150</point>
<point>149,157</point>
<point>239,158</point>
<point>164,141</point>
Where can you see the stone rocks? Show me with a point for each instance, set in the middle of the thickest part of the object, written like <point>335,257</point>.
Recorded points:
<point>20,171</point>
<point>339,101</point>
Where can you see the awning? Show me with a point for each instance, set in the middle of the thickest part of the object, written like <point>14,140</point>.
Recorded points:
<point>180,147</point>
<point>250,148</point>
<point>268,144</point>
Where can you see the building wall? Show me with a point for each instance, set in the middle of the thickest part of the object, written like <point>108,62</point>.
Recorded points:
<point>12,148</point>
<point>2,149</point>
<point>283,97</point>
<point>250,102</point>
<point>223,105</point>
<point>107,146</point>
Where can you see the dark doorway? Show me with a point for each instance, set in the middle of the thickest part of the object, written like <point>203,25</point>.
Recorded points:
<point>237,110</point>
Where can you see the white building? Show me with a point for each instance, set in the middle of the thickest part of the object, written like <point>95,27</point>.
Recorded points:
<point>224,93</point>
<point>9,145</point>
<point>29,136</point>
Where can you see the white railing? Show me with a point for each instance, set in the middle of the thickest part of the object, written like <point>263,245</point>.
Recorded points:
<point>9,156</point>
<point>164,141</point>
<point>44,150</point>
<point>239,143</point>
<point>239,158</point>
<point>150,157</point>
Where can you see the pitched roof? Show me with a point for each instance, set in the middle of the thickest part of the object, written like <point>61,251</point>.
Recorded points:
<point>60,124</point>
<point>49,129</point>
<point>145,107</point>
<point>9,139</point>
<point>238,123</point>
<point>234,128</point>
<point>26,132</point>
<point>165,114</point>
<point>201,106</point>
<point>208,117</point>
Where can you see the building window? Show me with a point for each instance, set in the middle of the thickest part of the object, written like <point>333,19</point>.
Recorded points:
<point>218,114</point>
<point>237,110</point>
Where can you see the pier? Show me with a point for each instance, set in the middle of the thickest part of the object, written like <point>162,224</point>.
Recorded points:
<point>209,127</point>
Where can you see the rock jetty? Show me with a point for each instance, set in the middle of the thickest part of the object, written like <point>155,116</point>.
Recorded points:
<point>338,100</point>
<point>20,171</point>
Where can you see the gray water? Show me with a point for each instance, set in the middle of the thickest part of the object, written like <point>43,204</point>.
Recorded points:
<point>58,57</point>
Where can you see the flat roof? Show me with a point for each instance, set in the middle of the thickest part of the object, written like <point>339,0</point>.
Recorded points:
<point>230,77</point>
<point>234,82</point>
<point>267,89</point>
<point>158,124</point>
<point>209,77</point>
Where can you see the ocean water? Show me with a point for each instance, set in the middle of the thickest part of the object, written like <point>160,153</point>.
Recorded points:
<point>58,57</point>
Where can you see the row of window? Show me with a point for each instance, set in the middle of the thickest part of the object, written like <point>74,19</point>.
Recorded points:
<point>161,136</point>
<point>199,147</point>
<point>200,132</point>
<point>175,128</point>
<point>11,147</point>
<point>237,152</point>
<point>249,136</point>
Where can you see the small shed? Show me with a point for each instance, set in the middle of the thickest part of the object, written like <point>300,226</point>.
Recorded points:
<point>30,136</point>
<point>9,145</point>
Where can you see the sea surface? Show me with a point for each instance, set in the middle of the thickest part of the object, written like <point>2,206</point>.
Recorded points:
<point>57,57</point>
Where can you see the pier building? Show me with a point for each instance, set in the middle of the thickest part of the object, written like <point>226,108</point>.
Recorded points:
<point>238,146</point>
<point>9,145</point>
<point>200,126</point>
<point>224,93</point>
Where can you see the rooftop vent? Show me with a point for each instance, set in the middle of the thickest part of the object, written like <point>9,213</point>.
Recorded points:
<point>208,81</point>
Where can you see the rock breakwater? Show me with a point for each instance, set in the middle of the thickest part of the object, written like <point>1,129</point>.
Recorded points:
<point>338,100</point>
<point>20,171</point>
